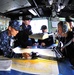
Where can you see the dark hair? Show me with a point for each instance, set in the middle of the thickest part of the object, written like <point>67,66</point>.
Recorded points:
<point>63,26</point>
<point>27,18</point>
<point>43,27</point>
<point>60,23</point>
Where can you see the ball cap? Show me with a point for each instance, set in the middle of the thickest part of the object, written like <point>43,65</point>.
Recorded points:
<point>43,27</point>
<point>15,24</point>
<point>27,18</point>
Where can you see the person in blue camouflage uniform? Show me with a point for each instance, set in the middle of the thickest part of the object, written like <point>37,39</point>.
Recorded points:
<point>6,36</point>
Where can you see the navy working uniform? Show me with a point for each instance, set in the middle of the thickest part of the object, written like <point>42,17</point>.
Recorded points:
<point>5,39</point>
<point>22,37</point>
<point>27,29</point>
<point>48,41</point>
<point>5,43</point>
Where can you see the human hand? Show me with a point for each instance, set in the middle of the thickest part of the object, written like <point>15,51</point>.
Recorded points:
<point>26,55</point>
<point>28,46</point>
<point>42,44</point>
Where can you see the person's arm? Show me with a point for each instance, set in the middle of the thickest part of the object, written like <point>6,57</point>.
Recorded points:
<point>29,30</point>
<point>3,42</point>
<point>5,46</point>
<point>21,39</point>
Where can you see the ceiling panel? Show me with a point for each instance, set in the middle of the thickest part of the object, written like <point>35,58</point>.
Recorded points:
<point>22,3</point>
<point>2,2</point>
<point>8,5</point>
<point>43,8</point>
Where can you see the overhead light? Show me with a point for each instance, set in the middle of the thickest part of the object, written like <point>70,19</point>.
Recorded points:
<point>33,12</point>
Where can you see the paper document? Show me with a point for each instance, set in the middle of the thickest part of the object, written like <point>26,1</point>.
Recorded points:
<point>5,65</point>
<point>39,36</point>
<point>47,52</point>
